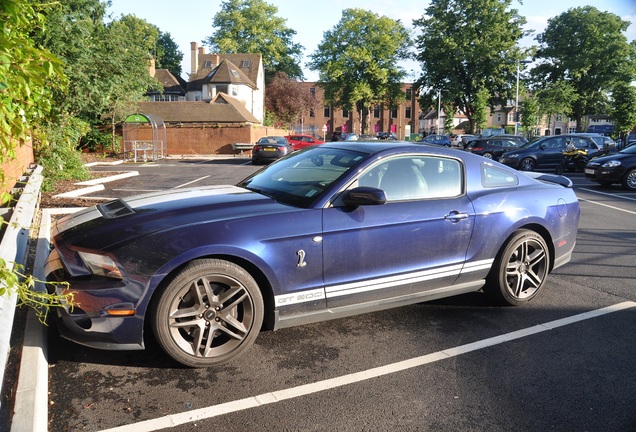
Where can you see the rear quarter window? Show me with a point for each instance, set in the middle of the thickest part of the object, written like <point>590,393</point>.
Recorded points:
<point>492,176</point>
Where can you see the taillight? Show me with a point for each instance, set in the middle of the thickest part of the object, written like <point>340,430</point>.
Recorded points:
<point>282,149</point>
<point>256,148</point>
<point>477,148</point>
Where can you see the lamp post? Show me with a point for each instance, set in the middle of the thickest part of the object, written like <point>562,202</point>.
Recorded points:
<point>439,107</point>
<point>517,97</point>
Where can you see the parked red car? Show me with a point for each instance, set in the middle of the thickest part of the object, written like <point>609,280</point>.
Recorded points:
<point>302,141</point>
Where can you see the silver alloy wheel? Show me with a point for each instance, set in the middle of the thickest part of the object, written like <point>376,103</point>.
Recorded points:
<point>211,316</point>
<point>630,180</point>
<point>488,155</point>
<point>208,314</point>
<point>526,269</point>
<point>520,269</point>
<point>528,164</point>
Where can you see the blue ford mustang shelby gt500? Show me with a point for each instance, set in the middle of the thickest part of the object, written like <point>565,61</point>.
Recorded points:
<point>326,232</point>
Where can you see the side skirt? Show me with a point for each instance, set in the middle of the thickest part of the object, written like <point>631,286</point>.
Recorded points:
<point>360,308</point>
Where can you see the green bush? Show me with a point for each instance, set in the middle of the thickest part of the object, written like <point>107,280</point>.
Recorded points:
<point>58,153</point>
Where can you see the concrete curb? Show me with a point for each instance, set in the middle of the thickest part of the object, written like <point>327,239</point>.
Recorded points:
<point>13,250</point>
<point>31,399</point>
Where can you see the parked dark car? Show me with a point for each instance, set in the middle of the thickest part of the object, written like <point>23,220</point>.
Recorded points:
<point>493,147</point>
<point>443,140</point>
<point>205,269</point>
<point>547,152</point>
<point>386,136</point>
<point>617,168</point>
<point>603,141</point>
<point>269,149</point>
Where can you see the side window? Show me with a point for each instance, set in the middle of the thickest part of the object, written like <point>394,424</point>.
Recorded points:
<point>415,177</point>
<point>553,143</point>
<point>492,176</point>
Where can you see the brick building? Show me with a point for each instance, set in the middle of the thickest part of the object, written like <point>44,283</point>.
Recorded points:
<point>402,120</point>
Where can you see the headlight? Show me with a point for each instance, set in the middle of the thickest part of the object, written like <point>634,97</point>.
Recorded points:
<point>611,164</point>
<point>101,265</point>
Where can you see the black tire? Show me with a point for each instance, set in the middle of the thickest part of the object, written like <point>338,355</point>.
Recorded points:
<point>208,314</point>
<point>520,269</point>
<point>629,180</point>
<point>487,155</point>
<point>527,164</point>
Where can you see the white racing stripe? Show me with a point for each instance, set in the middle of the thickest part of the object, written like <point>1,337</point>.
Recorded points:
<point>388,282</point>
<point>307,389</point>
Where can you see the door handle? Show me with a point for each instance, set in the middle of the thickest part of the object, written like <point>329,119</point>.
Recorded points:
<point>456,216</point>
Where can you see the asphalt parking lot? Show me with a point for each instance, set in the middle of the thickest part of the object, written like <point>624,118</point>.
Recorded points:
<point>562,363</point>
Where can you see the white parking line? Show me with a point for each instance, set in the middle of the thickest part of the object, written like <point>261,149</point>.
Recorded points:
<point>608,194</point>
<point>307,389</point>
<point>189,183</point>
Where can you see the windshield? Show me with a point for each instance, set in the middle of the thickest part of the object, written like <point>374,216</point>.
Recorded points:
<point>629,150</point>
<point>302,177</point>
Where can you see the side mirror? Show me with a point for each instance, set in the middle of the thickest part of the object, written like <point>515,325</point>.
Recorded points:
<point>364,196</point>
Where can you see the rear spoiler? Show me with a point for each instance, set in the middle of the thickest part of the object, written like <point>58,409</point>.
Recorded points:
<point>550,178</point>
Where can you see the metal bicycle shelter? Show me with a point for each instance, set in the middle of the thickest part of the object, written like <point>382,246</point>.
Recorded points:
<point>144,137</point>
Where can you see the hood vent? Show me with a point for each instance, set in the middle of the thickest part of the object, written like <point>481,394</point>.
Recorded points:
<point>115,209</point>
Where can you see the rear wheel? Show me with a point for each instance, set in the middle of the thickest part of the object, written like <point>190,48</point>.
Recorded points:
<point>208,314</point>
<point>487,155</point>
<point>528,164</point>
<point>520,269</point>
<point>629,180</point>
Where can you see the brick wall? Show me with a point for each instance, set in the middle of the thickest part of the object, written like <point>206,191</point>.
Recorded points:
<point>15,168</point>
<point>208,139</point>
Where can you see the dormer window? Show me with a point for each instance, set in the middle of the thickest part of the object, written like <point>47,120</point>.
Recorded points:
<point>245,64</point>
<point>235,73</point>
<point>207,64</point>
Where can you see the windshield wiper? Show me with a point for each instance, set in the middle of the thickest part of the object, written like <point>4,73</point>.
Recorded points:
<point>260,191</point>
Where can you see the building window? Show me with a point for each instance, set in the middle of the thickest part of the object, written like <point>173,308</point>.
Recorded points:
<point>408,94</point>
<point>407,112</point>
<point>498,117</point>
<point>558,118</point>
<point>245,64</point>
<point>511,117</point>
<point>394,112</point>
<point>326,111</point>
<point>312,90</point>
<point>345,113</point>
<point>312,113</point>
<point>376,111</point>
<point>234,89</point>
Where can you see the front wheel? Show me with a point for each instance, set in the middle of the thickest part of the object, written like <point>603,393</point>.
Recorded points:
<point>520,269</point>
<point>629,180</point>
<point>208,314</point>
<point>487,155</point>
<point>528,164</point>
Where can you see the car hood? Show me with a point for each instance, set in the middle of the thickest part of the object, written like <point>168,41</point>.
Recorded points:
<point>617,156</point>
<point>104,226</point>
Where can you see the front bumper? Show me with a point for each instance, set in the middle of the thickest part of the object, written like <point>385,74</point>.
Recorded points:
<point>92,319</point>
<point>604,175</point>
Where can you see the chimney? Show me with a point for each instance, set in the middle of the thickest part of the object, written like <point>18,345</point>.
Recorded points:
<point>215,60</point>
<point>201,50</point>
<point>194,58</point>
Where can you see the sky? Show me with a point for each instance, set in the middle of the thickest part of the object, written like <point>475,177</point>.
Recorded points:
<point>191,20</point>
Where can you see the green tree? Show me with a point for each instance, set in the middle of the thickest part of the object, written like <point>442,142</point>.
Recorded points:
<point>466,47</point>
<point>586,49</point>
<point>556,98</point>
<point>28,75</point>
<point>357,61</point>
<point>529,115</point>
<point>251,26</point>
<point>480,110</point>
<point>624,109</point>
<point>168,55</point>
